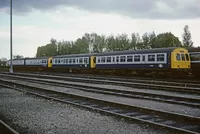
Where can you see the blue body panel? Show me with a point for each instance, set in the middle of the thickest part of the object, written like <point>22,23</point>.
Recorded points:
<point>131,66</point>
<point>37,65</point>
<point>71,66</point>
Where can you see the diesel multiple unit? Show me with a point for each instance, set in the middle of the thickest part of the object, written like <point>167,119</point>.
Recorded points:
<point>159,60</point>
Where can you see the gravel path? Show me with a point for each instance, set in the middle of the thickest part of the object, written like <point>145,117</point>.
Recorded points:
<point>34,115</point>
<point>135,102</point>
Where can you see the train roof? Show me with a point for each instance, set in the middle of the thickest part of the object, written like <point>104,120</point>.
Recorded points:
<point>155,50</point>
<point>17,59</point>
<point>36,58</point>
<point>193,49</point>
<point>74,55</point>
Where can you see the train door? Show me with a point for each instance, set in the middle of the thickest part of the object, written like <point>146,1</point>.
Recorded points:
<point>93,62</point>
<point>50,62</point>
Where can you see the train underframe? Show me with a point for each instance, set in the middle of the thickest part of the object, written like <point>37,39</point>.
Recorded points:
<point>170,73</point>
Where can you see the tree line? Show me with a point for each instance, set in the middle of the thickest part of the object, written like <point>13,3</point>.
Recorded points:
<point>94,43</point>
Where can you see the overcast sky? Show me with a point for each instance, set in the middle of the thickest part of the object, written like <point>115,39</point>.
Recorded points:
<point>36,21</point>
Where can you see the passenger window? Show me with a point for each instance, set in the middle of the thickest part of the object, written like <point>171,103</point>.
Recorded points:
<point>129,58</point>
<point>74,60</point>
<point>143,57</point>
<point>58,61</point>
<point>117,59</point>
<point>187,57</point>
<point>77,61</point>
<point>178,57</point>
<point>183,57</point>
<point>113,59</point>
<point>108,59</point>
<point>194,57</point>
<point>80,60</point>
<point>85,60</point>
<point>98,59</point>
<point>103,59</point>
<point>137,58</point>
<point>160,57</point>
<point>151,57</point>
<point>70,61</point>
<point>122,58</point>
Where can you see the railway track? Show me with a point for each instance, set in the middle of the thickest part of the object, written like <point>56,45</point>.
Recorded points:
<point>6,129</point>
<point>186,88</point>
<point>179,122</point>
<point>181,100</point>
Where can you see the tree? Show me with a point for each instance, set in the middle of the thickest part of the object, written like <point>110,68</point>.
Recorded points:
<point>3,61</point>
<point>18,56</point>
<point>187,38</point>
<point>166,40</point>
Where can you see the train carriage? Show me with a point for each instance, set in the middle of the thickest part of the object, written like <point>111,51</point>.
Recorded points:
<point>36,64</point>
<point>74,62</point>
<point>195,60</point>
<point>18,64</point>
<point>145,60</point>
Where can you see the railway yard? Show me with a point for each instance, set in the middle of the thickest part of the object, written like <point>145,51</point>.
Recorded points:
<point>70,103</point>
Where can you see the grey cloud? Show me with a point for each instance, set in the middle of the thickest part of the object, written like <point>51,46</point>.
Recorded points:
<point>137,9</point>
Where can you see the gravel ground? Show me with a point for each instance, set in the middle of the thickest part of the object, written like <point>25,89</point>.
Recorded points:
<point>135,102</point>
<point>30,115</point>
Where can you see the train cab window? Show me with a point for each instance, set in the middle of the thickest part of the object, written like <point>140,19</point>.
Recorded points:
<point>178,57</point>
<point>160,57</point>
<point>137,58</point>
<point>183,57</point>
<point>103,59</point>
<point>113,59</point>
<point>122,58</point>
<point>151,57</point>
<point>129,58</point>
<point>108,59</point>
<point>187,57</point>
